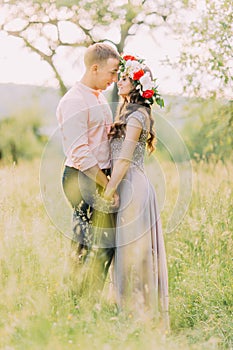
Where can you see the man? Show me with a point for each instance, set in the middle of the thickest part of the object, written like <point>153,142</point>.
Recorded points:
<point>85,117</point>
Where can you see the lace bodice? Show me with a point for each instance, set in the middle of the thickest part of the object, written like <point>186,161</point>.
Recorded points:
<point>139,152</point>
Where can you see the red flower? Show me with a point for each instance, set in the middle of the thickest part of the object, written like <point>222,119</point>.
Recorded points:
<point>129,58</point>
<point>148,93</point>
<point>137,75</point>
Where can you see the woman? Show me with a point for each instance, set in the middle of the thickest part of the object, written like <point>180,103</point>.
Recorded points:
<point>140,270</point>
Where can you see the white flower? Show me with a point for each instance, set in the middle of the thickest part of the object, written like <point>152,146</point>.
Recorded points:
<point>132,67</point>
<point>146,82</point>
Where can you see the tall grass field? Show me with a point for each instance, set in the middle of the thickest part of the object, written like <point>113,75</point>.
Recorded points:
<point>37,309</point>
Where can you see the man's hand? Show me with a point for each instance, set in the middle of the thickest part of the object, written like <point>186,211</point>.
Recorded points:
<point>111,195</point>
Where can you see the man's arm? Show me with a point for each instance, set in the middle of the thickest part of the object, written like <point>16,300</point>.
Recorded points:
<point>74,127</point>
<point>97,175</point>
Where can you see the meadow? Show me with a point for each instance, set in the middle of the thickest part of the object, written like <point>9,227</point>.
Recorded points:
<point>37,310</point>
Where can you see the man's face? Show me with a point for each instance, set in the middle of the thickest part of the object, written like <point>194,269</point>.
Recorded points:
<point>106,73</point>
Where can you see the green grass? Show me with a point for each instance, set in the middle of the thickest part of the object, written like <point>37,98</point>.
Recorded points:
<point>37,310</point>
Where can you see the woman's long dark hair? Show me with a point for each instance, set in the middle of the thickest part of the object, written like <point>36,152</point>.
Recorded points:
<point>136,102</point>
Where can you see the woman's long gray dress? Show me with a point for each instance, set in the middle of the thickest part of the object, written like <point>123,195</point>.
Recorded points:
<point>140,268</point>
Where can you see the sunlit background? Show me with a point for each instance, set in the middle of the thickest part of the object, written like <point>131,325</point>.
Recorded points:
<point>188,45</point>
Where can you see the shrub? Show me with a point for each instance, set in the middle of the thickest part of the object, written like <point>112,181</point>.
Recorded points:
<point>209,137</point>
<point>20,136</point>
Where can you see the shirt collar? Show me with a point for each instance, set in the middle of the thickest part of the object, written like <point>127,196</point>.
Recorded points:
<point>87,88</point>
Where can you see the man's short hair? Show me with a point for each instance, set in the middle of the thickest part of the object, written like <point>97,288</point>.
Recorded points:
<point>98,53</point>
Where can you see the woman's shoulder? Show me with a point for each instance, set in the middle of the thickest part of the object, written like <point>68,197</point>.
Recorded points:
<point>140,116</point>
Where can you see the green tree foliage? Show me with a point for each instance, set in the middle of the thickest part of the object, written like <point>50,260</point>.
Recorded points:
<point>209,137</point>
<point>205,61</point>
<point>20,136</point>
<point>46,27</point>
<point>206,57</point>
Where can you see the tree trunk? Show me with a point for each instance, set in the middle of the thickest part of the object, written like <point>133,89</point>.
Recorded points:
<point>114,100</point>
<point>14,152</point>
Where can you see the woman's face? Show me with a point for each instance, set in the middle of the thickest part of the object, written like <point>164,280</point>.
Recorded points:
<point>124,86</point>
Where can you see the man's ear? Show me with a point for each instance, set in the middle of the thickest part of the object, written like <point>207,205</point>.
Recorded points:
<point>94,68</point>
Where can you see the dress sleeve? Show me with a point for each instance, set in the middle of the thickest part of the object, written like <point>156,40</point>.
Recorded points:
<point>140,117</point>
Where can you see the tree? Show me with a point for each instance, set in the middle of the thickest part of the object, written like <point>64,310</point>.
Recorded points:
<point>206,57</point>
<point>43,25</point>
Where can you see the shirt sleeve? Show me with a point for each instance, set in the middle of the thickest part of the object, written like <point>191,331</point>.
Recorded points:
<point>73,118</point>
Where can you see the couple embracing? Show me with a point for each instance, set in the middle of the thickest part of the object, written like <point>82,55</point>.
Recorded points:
<point>115,214</point>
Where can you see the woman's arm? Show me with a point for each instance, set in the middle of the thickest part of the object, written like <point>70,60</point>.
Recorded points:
<point>133,131</point>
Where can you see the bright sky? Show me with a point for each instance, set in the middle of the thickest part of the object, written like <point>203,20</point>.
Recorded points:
<point>19,65</point>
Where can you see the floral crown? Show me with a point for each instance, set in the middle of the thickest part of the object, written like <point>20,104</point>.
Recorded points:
<point>134,68</point>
